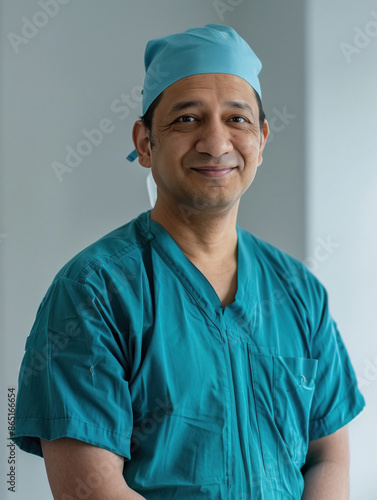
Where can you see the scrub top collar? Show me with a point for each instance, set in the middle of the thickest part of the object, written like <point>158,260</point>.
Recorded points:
<point>197,284</point>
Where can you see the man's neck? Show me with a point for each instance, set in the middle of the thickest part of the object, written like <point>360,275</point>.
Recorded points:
<point>206,238</point>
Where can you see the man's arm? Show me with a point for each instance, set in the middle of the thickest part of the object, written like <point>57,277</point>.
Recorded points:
<point>79,470</point>
<point>326,471</point>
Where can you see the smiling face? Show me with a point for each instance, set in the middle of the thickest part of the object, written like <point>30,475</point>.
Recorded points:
<point>206,144</point>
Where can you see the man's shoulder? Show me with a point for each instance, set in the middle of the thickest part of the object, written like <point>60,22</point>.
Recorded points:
<point>118,245</point>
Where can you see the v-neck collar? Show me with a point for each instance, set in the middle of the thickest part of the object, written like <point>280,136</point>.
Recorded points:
<point>199,286</point>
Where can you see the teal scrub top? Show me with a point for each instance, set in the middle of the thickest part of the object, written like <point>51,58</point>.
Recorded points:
<point>132,351</point>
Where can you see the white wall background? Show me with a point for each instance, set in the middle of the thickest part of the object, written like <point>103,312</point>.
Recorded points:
<point>341,164</point>
<point>317,180</point>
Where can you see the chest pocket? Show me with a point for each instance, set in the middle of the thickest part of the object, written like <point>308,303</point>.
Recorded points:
<point>283,389</point>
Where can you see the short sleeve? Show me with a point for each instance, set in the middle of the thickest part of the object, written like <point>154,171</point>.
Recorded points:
<point>72,381</point>
<point>337,399</point>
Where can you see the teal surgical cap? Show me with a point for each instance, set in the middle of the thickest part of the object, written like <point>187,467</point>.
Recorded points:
<point>215,48</point>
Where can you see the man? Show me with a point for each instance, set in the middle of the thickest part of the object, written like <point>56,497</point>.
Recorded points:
<point>181,357</point>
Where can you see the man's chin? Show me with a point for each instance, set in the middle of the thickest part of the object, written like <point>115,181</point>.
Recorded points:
<point>208,206</point>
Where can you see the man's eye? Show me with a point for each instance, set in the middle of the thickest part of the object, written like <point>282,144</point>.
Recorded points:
<point>185,119</point>
<point>239,119</point>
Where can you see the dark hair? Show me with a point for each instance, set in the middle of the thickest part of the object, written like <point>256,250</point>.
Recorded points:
<point>262,115</point>
<point>148,115</point>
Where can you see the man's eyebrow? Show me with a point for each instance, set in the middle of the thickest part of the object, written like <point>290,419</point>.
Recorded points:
<point>182,105</point>
<point>240,105</point>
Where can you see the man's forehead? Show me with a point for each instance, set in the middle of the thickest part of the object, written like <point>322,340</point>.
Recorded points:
<point>198,90</point>
<point>210,80</point>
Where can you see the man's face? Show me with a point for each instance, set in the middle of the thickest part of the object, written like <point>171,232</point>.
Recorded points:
<point>206,143</point>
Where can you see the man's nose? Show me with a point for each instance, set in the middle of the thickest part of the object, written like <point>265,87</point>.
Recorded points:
<point>214,138</point>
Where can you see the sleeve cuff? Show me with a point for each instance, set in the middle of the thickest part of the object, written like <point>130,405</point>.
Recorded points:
<point>340,416</point>
<point>30,430</point>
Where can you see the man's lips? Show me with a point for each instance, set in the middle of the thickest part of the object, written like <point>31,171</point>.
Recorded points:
<point>209,171</point>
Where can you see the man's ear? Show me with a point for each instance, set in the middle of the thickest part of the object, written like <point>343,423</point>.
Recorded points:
<point>263,139</point>
<point>140,136</point>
